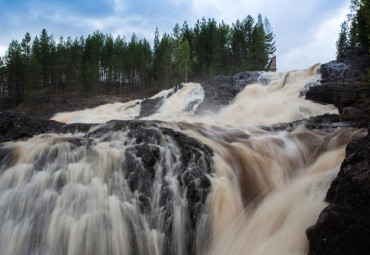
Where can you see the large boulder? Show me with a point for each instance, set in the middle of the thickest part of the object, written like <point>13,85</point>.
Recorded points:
<point>343,227</point>
<point>342,82</point>
<point>221,90</point>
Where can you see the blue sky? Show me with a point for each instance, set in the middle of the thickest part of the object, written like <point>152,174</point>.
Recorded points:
<point>306,31</point>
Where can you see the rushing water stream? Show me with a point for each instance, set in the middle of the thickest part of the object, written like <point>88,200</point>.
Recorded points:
<point>174,182</point>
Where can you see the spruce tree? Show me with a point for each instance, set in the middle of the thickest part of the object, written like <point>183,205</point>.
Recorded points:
<point>342,42</point>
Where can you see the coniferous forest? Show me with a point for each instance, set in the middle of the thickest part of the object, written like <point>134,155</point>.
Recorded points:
<point>104,64</point>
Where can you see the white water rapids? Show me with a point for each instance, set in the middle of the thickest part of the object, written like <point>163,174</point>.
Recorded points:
<point>88,194</point>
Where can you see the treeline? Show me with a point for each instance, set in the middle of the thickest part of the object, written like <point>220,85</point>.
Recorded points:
<point>355,31</point>
<point>103,64</point>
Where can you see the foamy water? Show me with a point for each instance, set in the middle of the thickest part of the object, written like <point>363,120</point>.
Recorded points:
<point>257,104</point>
<point>72,194</point>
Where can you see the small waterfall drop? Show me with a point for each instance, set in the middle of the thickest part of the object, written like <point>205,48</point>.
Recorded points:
<point>175,181</point>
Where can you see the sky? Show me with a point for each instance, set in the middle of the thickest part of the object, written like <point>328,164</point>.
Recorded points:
<point>305,31</point>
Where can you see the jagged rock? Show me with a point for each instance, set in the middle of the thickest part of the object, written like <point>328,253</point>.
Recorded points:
<point>243,79</point>
<point>15,126</point>
<point>334,71</point>
<point>339,94</point>
<point>148,146</point>
<point>342,81</point>
<point>220,90</point>
<point>307,88</point>
<point>344,226</point>
<point>150,106</point>
<point>146,138</point>
<point>77,127</point>
<point>175,89</point>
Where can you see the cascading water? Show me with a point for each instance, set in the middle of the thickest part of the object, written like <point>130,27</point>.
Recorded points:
<point>174,182</point>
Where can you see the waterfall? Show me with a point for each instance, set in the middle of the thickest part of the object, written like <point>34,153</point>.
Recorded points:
<point>176,181</point>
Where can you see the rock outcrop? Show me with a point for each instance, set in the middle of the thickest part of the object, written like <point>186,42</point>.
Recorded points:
<point>344,226</point>
<point>15,126</point>
<point>220,90</point>
<point>150,152</point>
<point>147,140</point>
<point>150,106</point>
<point>342,82</point>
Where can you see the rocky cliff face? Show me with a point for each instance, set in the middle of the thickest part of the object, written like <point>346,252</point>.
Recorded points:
<point>343,226</point>
<point>342,83</point>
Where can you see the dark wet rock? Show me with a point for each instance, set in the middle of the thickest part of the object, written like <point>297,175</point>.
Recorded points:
<point>339,94</point>
<point>218,91</point>
<point>77,127</point>
<point>307,88</point>
<point>150,106</point>
<point>150,145</point>
<point>246,78</point>
<point>175,89</point>
<point>342,82</point>
<point>344,226</point>
<point>191,106</point>
<point>221,90</point>
<point>15,126</point>
<point>334,71</point>
<point>326,121</point>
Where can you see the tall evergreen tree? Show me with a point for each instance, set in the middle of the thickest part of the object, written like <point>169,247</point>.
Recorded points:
<point>185,58</point>
<point>342,42</point>
<point>166,59</point>
<point>100,62</point>
<point>15,72</point>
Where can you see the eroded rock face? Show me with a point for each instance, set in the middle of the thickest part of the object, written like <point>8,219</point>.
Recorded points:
<point>220,90</point>
<point>149,144</point>
<point>344,226</point>
<point>15,126</point>
<point>342,82</point>
<point>163,170</point>
<point>150,106</point>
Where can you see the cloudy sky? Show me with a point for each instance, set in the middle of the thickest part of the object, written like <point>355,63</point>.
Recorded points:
<point>306,31</point>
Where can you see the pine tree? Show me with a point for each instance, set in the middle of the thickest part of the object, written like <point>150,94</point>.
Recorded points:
<point>166,59</point>
<point>269,39</point>
<point>342,41</point>
<point>156,55</point>
<point>185,58</point>
<point>3,84</point>
<point>15,72</point>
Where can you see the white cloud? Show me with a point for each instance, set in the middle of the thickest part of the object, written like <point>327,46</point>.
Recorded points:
<point>3,50</point>
<point>319,46</point>
<point>119,5</point>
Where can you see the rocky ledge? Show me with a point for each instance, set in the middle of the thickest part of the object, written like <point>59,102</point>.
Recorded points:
<point>343,227</point>
<point>15,126</point>
<point>343,84</point>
